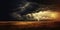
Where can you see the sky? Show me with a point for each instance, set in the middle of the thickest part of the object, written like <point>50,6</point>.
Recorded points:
<point>7,6</point>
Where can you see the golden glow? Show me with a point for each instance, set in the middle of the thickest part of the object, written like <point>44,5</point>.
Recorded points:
<point>23,23</point>
<point>43,15</point>
<point>54,15</point>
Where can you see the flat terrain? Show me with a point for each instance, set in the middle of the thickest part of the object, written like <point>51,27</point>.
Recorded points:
<point>29,25</point>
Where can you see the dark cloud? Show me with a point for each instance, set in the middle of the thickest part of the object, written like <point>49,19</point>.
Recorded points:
<point>7,6</point>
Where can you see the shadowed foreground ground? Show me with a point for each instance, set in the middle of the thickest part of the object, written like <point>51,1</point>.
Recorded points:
<point>29,25</point>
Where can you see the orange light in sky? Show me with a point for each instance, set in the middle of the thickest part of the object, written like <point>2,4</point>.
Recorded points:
<point>43,15</point>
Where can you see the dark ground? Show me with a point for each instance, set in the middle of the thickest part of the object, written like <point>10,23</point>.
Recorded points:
<point>8,26</point>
